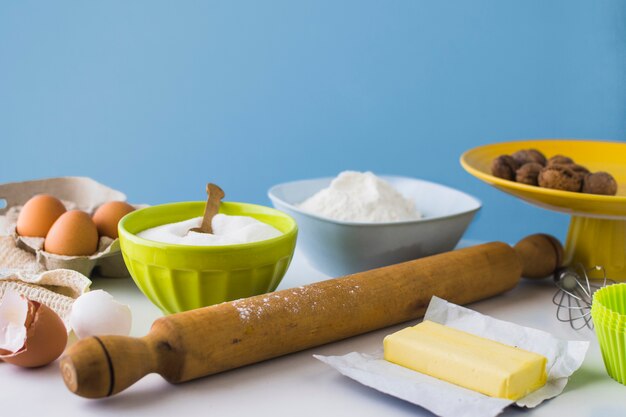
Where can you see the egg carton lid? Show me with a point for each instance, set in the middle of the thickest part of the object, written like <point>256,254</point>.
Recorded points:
<point>80,193</point>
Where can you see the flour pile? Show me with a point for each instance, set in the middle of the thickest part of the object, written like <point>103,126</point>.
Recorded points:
<point>361,197</point>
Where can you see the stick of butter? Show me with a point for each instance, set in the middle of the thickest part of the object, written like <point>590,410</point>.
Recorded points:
<point>464,359</point>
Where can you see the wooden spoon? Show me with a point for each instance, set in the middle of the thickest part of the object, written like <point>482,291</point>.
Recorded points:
<point>214,199</point>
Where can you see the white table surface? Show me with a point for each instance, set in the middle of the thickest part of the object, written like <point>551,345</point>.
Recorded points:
<point>298,384</point>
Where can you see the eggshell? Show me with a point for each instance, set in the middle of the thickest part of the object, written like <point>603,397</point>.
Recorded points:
<point>73,234</point>
<point>38,215</point>
<point>97,313</point>
<point>14,311</point>
<point>108,216</point>
<point>46,338</point>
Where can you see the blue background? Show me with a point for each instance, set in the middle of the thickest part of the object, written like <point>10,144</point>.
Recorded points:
<point>155,98</point>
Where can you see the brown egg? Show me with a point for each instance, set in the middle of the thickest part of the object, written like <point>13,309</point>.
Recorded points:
<point>46,337</point>
<point>73,234</point>
<point>38,215</point>
<point>108,216</point>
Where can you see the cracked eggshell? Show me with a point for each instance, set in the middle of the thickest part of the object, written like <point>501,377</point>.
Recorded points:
<point>97,313</point>
<point>13,315</point>
<point>32,339</point>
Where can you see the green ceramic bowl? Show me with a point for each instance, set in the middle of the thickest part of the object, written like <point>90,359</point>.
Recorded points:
<point>178,278</point>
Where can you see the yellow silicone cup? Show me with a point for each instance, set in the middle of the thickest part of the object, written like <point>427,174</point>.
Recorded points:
<point>611,300</point>
<point>178,277</point>
<point>601,318</point>
<point>607,307</point>
<point>612,344</point>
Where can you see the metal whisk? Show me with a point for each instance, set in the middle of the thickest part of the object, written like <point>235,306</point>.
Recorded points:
<point>575,293</point>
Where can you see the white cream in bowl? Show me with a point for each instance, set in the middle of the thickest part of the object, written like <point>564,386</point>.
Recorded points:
<point>227,230</point>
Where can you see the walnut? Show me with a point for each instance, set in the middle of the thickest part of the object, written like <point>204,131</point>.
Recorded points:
<point>599,183</point>
<point>560,172</point>
<point>529,155</point>
<point>560,160</point>
<point>504,166</point>
<point>528,173</point>
<point>578,169</point>
<point>560,177</point>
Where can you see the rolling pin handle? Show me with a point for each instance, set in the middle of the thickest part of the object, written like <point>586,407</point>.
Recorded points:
<point>540,255</point>
<point>98,367</point>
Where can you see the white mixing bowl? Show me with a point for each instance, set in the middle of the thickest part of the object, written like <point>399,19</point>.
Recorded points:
<point>339,248</point>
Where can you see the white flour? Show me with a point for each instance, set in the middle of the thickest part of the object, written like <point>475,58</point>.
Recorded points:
<point>361,197</point>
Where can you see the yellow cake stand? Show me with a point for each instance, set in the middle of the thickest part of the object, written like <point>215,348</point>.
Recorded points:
<point>597,230</point>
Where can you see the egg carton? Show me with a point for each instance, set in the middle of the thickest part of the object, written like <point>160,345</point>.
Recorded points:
<point>80,193</point>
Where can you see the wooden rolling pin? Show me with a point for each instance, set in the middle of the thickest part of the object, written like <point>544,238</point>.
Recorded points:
<point>196,343</point>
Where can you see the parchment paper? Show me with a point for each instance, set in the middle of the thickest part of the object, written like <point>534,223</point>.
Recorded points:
<point>449,400</point>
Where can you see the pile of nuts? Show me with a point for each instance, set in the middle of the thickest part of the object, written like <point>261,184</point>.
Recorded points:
<point>529,166</point>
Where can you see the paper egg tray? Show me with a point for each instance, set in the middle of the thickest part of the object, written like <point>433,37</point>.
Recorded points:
<point>80,193</point>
